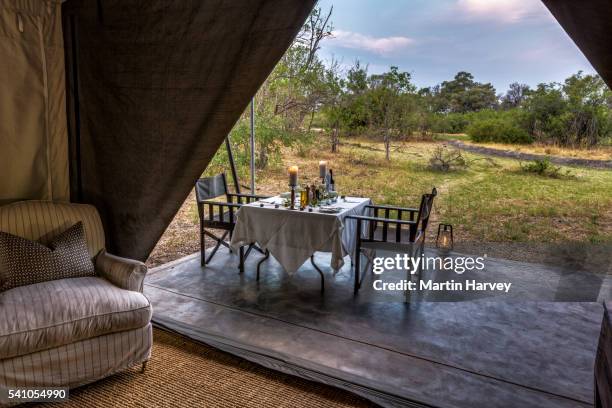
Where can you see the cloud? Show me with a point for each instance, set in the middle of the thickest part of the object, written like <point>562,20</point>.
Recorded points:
<point>501,11</point>
<point>378,45</point>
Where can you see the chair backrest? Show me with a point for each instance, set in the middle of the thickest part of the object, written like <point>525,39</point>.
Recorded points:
<point>211,187</point>
<point>42,220</point>
<point>425,210</point>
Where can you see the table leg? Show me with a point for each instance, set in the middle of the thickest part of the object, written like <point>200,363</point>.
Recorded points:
<point>320,273</point>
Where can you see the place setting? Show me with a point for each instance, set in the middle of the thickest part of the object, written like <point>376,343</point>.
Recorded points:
<point>312,197</point>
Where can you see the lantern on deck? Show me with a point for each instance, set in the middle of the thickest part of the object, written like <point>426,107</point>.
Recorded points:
<point>444,240</point>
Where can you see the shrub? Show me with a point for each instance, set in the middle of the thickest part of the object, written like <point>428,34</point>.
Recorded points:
<point>543,167</point>
<point>497,130</point>
<point>449,122</point>
<point>447,159</point>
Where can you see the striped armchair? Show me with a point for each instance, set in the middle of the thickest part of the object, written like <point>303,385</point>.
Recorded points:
<point>70,332</point>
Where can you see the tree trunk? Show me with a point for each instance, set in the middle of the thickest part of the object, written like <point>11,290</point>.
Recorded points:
<point>312,113</point>
<point>335,140</point>
<point>387,141</point>
<point>263,158</point>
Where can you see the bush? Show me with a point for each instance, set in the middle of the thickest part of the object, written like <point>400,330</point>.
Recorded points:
<point>449,123</point>
<point>543,167</point>
<point>447,159</point>
<point>498,130</point>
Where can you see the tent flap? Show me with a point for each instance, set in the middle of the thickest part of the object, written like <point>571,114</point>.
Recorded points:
<point>155,86</point>
<point>34,153</point>
<point>589,24</point>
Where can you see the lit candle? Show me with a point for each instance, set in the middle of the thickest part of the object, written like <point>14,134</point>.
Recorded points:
<point>322,168</point>
<point>293,176</point>
<point>446,240</point>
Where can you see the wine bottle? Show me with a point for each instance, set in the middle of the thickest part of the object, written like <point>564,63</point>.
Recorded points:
<point>313,195</point>
<point>332,183</point>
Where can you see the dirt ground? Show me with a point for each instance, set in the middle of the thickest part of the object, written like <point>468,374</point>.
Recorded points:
<point>181,238</point>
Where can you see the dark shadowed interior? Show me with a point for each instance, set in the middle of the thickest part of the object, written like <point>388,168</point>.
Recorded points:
<point>155,86</point>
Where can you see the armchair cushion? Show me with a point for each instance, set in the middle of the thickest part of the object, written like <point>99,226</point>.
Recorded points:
<point>42,220</point>
<point>122,272</point>
<point>25,262</point>
<point>51,314</point>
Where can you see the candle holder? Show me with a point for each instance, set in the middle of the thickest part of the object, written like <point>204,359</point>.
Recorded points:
<point>445,240</point>
<point>323,170</point>
<point>292,203</point>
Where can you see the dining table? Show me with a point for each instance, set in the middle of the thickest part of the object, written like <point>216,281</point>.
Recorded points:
<point>292,236</point>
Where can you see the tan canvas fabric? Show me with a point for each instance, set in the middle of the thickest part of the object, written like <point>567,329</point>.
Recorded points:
<point>43,220</point>
<point>33,132</point>
<point>52,314</point>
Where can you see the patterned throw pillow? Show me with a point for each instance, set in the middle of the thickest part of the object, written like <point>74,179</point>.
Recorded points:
<point>24,262</point>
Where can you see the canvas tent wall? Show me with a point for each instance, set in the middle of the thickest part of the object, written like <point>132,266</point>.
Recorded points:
<point>33,137</point>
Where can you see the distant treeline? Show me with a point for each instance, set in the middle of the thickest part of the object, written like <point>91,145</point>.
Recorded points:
<point>304,93</point>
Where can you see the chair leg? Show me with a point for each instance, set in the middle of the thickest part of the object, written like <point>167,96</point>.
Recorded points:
<point>357,266</point>
<point>214,251</point>
<point>241,266</point>
<point>144,367</point>
<point>202,249</point>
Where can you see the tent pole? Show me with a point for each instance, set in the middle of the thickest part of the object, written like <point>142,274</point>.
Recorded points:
<point>77,110</point>
<point>253,145</point>
<point>232,164</point>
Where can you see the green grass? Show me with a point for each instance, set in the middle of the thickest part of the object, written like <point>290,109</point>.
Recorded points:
<point>492,200</point>
<point>451,136</point>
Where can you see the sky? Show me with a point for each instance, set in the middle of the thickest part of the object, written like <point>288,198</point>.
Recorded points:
<point>498,41</point>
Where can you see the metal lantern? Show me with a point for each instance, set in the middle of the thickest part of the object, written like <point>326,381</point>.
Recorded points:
<point>444,240</point>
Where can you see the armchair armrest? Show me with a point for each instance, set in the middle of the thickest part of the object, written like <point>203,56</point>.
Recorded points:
<point>125,273</point>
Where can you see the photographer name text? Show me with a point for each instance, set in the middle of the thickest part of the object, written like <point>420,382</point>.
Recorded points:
<point>450,285</point>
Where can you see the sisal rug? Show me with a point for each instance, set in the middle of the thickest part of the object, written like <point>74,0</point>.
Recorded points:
<point>183,373</point>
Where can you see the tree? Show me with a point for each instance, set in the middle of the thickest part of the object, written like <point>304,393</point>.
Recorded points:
<point>575,113</point>
<point>317,28</point>
<point>515,96</point>
<point>334,104</point>
<point>354,115</point>
<point>294,91</point>
<point>387,103</point>
<point>463,94</point>
<point>588,118</point>
<point>357,79</point>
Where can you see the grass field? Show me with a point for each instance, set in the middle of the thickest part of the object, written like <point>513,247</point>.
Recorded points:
<point>492,200</point>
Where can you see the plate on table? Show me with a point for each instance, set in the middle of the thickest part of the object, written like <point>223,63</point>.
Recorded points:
<point>329,209</point>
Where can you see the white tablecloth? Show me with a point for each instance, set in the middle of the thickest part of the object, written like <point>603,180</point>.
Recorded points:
<point>292,236</point>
